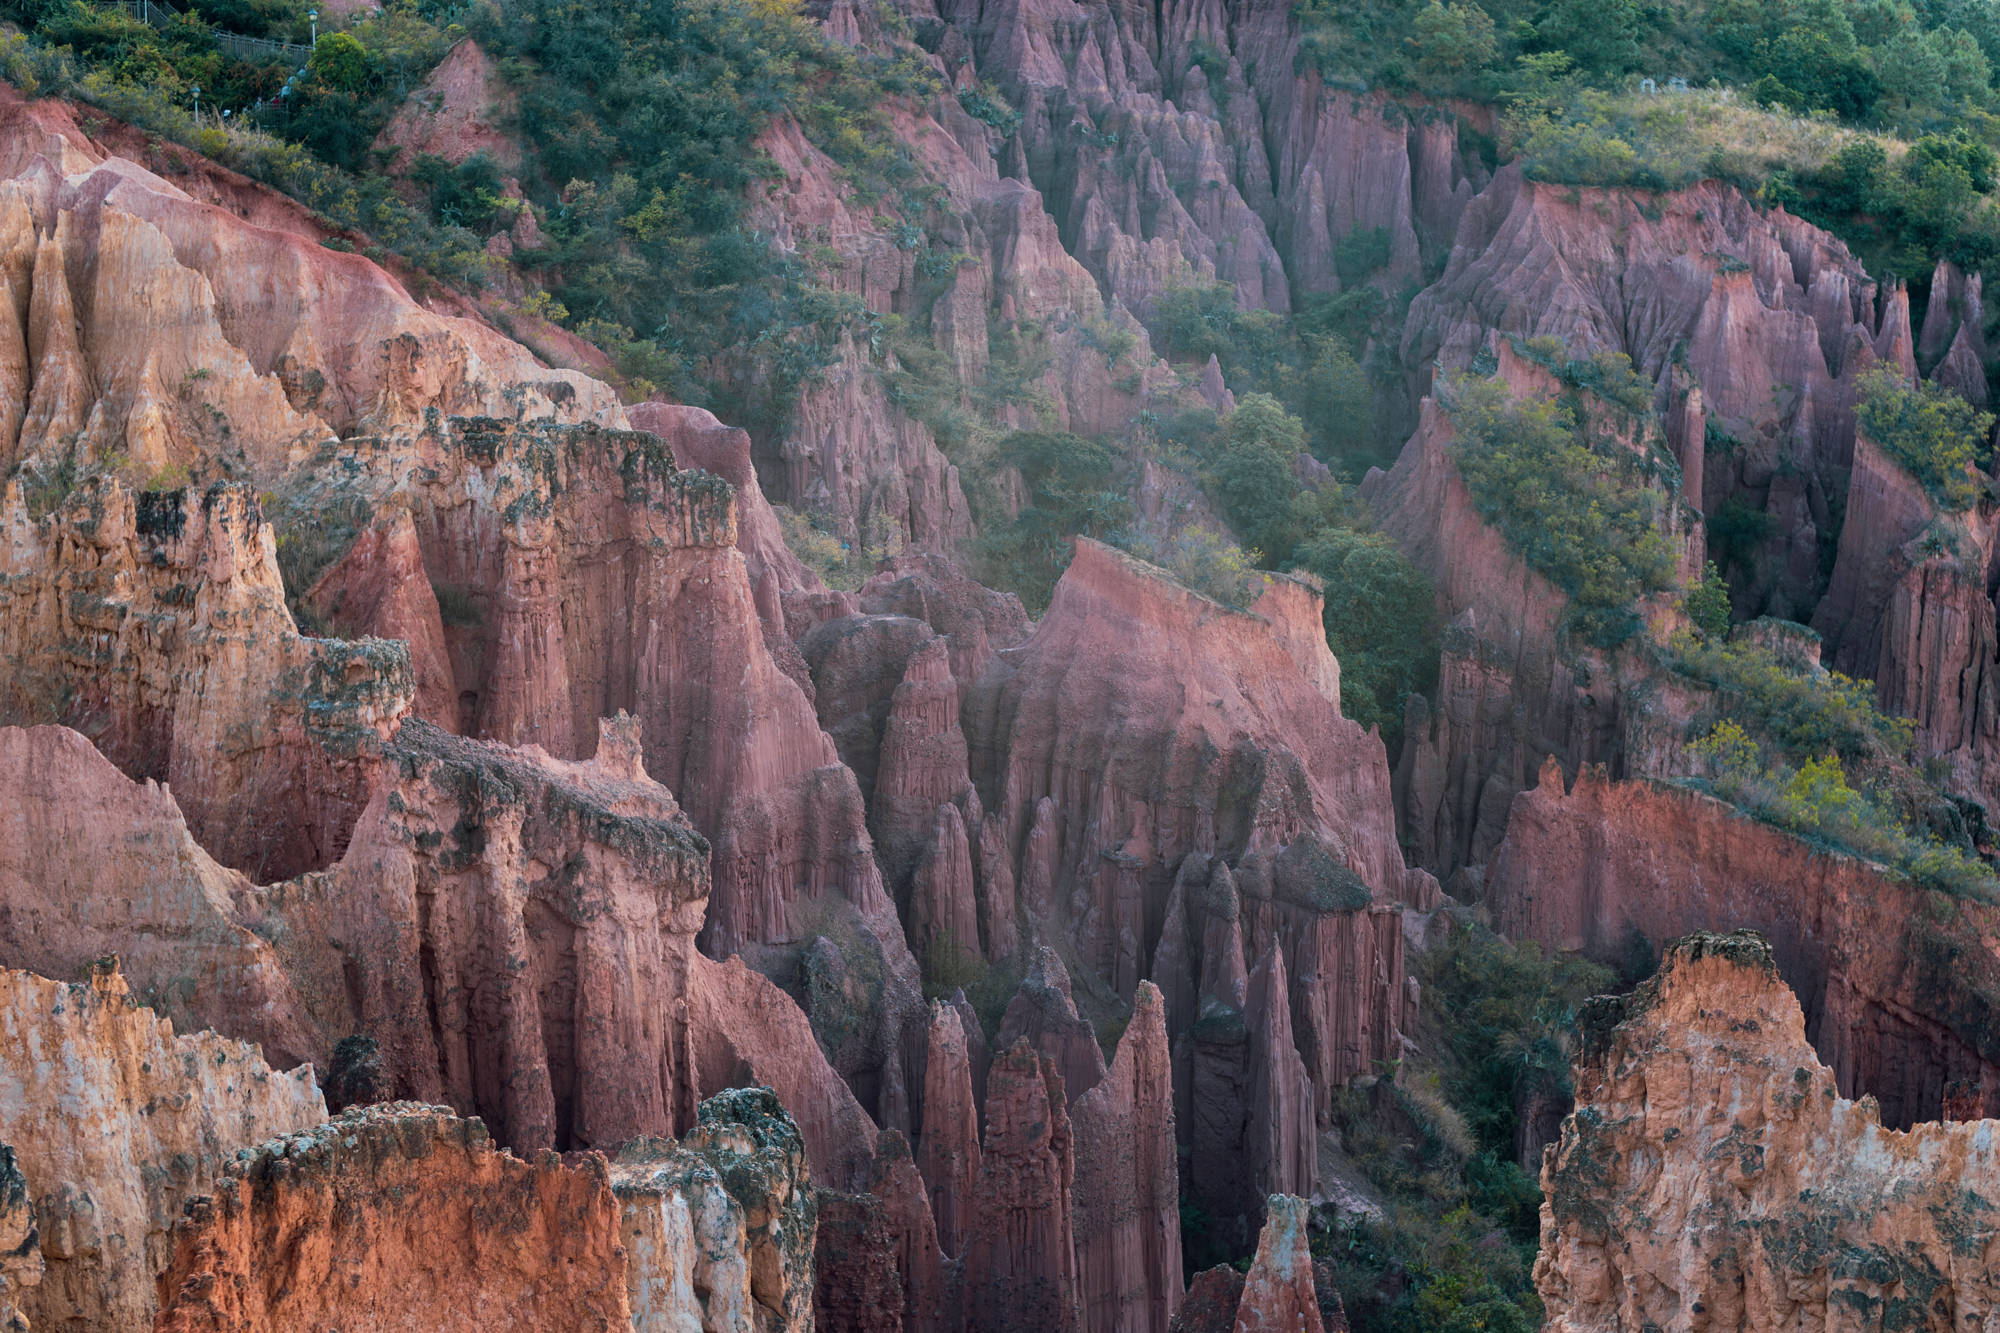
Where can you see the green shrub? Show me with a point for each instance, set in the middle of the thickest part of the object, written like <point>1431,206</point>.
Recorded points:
<point>1206,562</point>
<point>1580,515</point>
<point>1381,622</point>
<point>1802,713</point>
<point>1937,436</point>
<point>1707,603</point>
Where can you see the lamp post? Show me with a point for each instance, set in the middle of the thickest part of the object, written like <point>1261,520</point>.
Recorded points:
<point>312,17</point>
<point>195,92</point>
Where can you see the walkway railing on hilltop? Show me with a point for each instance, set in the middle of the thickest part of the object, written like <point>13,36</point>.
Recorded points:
<point>158,14</point>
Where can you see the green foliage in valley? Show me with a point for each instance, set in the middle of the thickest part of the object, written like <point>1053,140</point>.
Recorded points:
<point>1460,1216</point>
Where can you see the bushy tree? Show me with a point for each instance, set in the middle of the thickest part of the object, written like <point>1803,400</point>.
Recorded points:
<point>1453,40</point>
<point>340,62</point>
<point>1381,622</point>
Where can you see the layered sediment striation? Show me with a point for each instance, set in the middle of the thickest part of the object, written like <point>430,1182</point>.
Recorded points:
<point>1894,982</point>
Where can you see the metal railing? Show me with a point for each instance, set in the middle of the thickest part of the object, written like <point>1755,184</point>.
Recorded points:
<point>158,14</point>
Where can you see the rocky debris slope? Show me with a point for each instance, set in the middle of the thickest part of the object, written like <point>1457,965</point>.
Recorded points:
<point>114,1122</point>
<point>156,623</point>
<point>1895,981</point>
<point>406,1217</point>
<point>1713,1176</point>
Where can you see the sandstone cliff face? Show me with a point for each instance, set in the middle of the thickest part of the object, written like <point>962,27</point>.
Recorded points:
<point>1513,686</point>
<point>1909,607</point>
<point>20,1243</point>
<point>156,623</point>
<point>595,575</point>
<point>114,1122</point>
<point>516,932</point>
<point>1020,1267</point>
<point>1895,981</point>
<point>398,1216</point>
<point>402,1216</point>
<point>143,323</point>
<point>1127,1206</point>
<point>1156,723</point>
<point>719,1229</point>
<point>1776,317</point>
<point>1713,1176</point>
<point>1146,738</point>
<point>93,864</point>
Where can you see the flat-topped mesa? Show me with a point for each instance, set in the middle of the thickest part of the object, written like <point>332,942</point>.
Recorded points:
<point>157,624</point>
<point>591,574</point>
<point>402,1215</point>
<point>139,322</point>
<point>1712,1166</point>
<point>1143,722</point>
<point>1896,980</point>
<point>114,1121</point>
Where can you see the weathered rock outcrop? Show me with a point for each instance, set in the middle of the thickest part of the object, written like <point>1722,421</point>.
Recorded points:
<point>595,576</point>
<point>719,1228</point>
<point>856,1288</point>
<point>1773,318</point>
<point>93,864</point>
<point>399,1216</point>
<point>1127,1205</point>
<point>461,108</point>
<point>1143,723</point>
<point>1278,1293</point>
<point>1514,686</point>
<point>1043,1013</point>
<point>114,1121</point>
<point>930,1287</point>
<point>156,624</point>
<point>1713,1176</point>
<point>1910,608</point>
<point>948,1152</point>
<point>403,1216</point>
<point>174,333</point>
<point>512,933</point>
<point>20,1243</point>
<point>1896,982</point>
<point>1020,1266</point>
